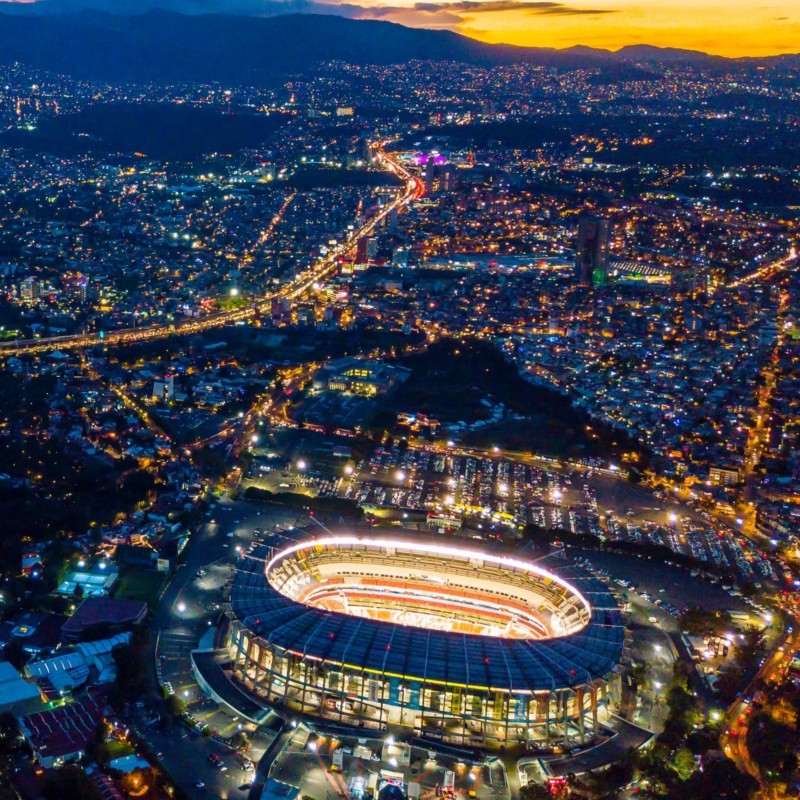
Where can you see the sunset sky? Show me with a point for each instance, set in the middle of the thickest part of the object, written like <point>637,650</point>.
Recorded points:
<point>725,27</point>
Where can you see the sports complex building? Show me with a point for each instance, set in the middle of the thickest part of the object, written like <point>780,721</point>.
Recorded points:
<point>450,637</point>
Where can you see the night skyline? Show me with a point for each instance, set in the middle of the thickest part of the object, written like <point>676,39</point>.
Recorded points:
<point>389,414</point>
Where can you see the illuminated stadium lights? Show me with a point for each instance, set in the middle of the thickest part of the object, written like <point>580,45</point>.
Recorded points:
<point>441,635</point>
<point>427,549</point>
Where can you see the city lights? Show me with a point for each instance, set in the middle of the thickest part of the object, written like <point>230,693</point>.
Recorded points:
<point>447,398</point>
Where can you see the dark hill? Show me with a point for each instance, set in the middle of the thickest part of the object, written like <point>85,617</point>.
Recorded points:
<point>168,47</point>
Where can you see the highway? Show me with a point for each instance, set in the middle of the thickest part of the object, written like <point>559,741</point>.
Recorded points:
<point>304,283</point>
<point>766,271</point>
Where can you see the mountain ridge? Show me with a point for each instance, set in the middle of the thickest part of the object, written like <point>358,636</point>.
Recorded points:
<point>168,46</point>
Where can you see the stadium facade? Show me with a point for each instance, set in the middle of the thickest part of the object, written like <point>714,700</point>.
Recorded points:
<point>454,639</point>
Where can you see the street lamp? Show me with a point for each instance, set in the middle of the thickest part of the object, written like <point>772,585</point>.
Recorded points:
<point>400,475</point>
<point>301,465</point>
<point>181,607</point>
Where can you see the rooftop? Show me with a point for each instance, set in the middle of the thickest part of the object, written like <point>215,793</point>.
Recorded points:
<point>65,730</point>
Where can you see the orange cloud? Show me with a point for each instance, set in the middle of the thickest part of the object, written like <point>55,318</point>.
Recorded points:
<point>723,27</point>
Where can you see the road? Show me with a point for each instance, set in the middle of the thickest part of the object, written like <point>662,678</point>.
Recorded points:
<point>734,739</point>
<point>767,270</point>
<point>303,284</point>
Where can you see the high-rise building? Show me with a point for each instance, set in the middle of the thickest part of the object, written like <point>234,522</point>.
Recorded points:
<point>447,177</point>
<point>372,249</point>
<point>29,290</point>
<point>365,249</point>
<point>164,390</point>
<point>400,257</point>
<point>428,174</point>
<point>75,285</point>
<point>439,177</point>
<point>591,252</point>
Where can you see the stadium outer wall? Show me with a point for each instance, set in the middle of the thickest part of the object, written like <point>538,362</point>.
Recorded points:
<point>456,712</point>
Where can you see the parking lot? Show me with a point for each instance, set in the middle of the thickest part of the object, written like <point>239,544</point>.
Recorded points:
<point>510,494</point>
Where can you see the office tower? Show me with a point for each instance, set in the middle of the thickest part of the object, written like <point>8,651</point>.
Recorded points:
<point>428,174</point>
<point>362,249</point>
<point>591,252</point>
<point>29,290</point>
<point>400,257</point>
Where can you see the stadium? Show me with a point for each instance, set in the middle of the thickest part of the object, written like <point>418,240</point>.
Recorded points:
<point>451,638</point>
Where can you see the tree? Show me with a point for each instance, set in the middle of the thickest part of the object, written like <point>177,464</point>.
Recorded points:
<point>97,749</point>
<point>771,745</point>
<point>698,621</point>
<point>639,673</point>
<point>239,740</point>
<point>130,661</point>
<point>8,733</point>
<point>719,779</point>
<point>14,654</point>
<point>683,763</point>
<point>535,791</point>
<point>684,711</point>
<point>615,776</point>
<point>71,782</point>
<point>175,706</point>
<point>139,781</point>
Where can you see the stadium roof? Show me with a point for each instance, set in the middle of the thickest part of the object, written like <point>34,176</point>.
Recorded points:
<point>514,665</point>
